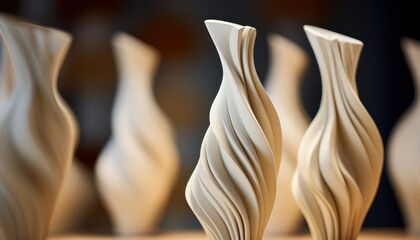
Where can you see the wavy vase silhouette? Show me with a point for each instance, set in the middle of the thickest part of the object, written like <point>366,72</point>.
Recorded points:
<point>233,186</point>
<point>288,64</point>
<point>37,132</point>
<point>404,148</point>
<point>76,200</point>
<point>340,157</point>
<point>138,168</point>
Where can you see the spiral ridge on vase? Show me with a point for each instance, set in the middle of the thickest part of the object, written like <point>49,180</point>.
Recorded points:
<point>340,157</point>
<point>233,186</point>
<point>288,65</point>
<point>37,131</point>
<point>138,168</point>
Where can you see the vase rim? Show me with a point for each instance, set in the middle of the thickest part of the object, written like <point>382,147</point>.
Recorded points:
<point>220,22</point>
<point>26,23</point>
<point>120,39</point>
<point>271,36</point>
<point>409,41</point>
<point>279,41</point>
<point>330,35</point>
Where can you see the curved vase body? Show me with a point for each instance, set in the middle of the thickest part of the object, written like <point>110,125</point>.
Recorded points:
<point>404,148</point>
<point>288,64</point>
<point>75,201</point>
<point>340,157</point>
<point>233,187</point>
<point>37,132</point>
<point>138,168</point>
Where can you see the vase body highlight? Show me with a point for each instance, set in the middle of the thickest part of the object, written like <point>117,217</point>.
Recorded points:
<point>37,131</point>
<point>404,148</point>
<point>138,168</point>
<point>233,186</point>
<point>340,157</point>
<point>288,64</point>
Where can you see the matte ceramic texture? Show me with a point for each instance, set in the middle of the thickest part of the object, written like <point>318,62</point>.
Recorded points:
<point>233,186</point>
<point>37,130</point>
<point>138,168</point>
<point>340,157</point>
<point>404,148</point>
<point>75,202</point>
<point>289,62</point>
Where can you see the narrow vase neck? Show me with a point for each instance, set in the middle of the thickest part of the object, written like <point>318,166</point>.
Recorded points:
<point>411,49</point>
<point>337,56</point>
<point>235,45</point>
<point>136,61</point>
<point>288,64</point>
<point>35,53</point>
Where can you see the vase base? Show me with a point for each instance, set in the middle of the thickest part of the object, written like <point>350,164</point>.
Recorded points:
<point>383,234</point>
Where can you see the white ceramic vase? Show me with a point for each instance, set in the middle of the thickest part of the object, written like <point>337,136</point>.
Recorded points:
<point>404,148</point>
<point>138,168</point>
<point>76,200</point>
<point>288,64</point>
<point>340,157</point>
<point>233,186</point>
<point>37,132</point>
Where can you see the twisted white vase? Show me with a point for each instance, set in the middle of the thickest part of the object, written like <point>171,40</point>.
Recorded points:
<point>233,187</point>
<point>76,199</point>
<point>340,157</point>
<point>138,168</point>
<point>404,148</point>
<point>37,132</point>
<point>288,64</point>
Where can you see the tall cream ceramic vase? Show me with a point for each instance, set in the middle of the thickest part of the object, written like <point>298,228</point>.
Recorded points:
<point>138,168</point>
<point>37,132</point>
<point>233,187</point>
<point>340,157</point>
<point>288,64</point>
<point>404,147</point>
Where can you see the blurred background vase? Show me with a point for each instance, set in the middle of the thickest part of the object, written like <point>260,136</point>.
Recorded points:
<point>75,202</point>
<point>138,168</point>
<point>404,147</point>
<point>37,131</point>
<point>340,157</point>
<point>288,65</point>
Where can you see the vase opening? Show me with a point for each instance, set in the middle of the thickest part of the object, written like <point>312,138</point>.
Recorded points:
<point>330,35</point>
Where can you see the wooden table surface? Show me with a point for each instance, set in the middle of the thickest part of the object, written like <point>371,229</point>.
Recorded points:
<point>365,235</point>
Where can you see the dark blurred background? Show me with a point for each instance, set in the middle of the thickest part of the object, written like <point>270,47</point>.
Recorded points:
<point>190,72</point>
